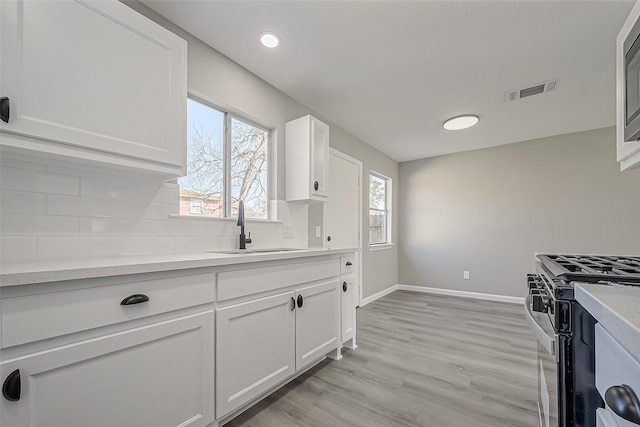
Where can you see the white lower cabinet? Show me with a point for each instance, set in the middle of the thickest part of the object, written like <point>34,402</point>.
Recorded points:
<point>317,319</point>
<point>261,343</point>
<point>347,315</point>
<point>255,349</point>
<point>155,375</point>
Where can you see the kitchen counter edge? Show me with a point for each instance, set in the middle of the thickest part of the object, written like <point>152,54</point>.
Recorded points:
<point>57,271</point>
<point>616,308</point>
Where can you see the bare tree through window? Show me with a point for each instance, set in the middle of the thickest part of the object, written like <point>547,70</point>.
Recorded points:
<point>209,140</point>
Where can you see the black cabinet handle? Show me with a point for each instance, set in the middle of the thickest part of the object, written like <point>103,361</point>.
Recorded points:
<point>135,299</point>
<point>328,238</point>
<point>348,264</point>
<point>624,402</point>
<point>300,301</point>
<point>11,387</point>
<point>293,304</point>
<point>316,185</point>
<point>4,109</point>
<point>344,286</point>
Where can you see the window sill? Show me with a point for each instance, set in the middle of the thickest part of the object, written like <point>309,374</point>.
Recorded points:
<point>208,218</point>
<point>380,247</point>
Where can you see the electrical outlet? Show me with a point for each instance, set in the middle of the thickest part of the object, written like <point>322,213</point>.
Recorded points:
<point>318,231</point>
<point>465,275</point>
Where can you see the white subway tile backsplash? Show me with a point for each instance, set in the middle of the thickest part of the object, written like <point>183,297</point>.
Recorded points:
<point>83,206</point>
<point>148,245</point>
<point>22,202</point>
<point>57,210</point>
<point>195,244</point>
<point>13,161</point>
<point>53,248</point>
<point>167,196</point>
<point>107,226</point>
<point>150,211</point>
<point>124,191</point>
<point>39,182</point>
<point>38,225</point>
<point>17,249</point>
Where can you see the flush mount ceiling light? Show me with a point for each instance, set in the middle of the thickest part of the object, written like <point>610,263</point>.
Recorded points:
<point>269,40</point>
<point>461,122</point>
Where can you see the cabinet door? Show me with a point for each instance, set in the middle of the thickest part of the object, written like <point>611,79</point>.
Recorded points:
<point>255,349</point>
<point>319,158</point>
<point>94,75</point>
<point>317,322</point>
<point>347,318</point>
<point>152,376</point>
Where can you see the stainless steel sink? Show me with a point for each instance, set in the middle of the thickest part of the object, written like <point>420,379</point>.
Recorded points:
<point>255,251</point>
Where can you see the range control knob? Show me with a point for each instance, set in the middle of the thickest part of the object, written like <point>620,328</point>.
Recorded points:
<point>539,303</point>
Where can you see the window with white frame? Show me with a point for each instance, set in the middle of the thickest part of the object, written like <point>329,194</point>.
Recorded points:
<point>226,162</point>
<point>379,209</point>
<point>195,206</point>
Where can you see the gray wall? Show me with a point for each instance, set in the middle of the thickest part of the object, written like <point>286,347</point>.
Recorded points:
<point>221,80</point>
<point>488,211</point>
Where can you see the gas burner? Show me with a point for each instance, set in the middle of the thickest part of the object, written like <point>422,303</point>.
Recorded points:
<point>593,268</point>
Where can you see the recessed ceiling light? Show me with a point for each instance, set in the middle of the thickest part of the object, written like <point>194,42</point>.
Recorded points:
<point>460,122</point>
<point>270,40</point>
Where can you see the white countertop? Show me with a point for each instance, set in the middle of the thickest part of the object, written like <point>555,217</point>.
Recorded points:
<point>617,308</point>
<point>55,271</point>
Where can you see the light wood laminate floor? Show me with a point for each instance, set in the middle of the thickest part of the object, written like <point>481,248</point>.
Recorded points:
<point>422,360</point>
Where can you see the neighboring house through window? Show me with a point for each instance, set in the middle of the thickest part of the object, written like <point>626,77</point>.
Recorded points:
<point>379,209</point>
<point>226,162</point>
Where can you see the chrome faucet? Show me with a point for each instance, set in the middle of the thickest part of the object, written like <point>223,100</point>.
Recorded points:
<point>243,239</point>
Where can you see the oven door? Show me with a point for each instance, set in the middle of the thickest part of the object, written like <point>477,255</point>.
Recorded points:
<point>547,365</point>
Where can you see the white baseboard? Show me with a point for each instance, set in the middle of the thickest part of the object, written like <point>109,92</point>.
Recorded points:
<point>463,294</point>
<point>378,295</point>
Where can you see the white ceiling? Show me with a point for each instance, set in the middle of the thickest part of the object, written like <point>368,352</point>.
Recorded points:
<point>390,72</point>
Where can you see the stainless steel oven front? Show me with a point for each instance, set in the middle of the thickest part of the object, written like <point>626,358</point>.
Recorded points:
<point>547,363</point>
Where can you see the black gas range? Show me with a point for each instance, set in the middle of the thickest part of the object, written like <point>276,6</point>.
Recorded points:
<point>567,395</point>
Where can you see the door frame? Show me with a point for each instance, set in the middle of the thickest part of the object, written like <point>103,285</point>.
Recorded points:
<point>358,163</point>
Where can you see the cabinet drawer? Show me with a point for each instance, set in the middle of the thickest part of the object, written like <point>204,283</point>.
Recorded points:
<point>239,283</point>
<point>36,317</point>
<point>347,264</point>
<point>615,367</point>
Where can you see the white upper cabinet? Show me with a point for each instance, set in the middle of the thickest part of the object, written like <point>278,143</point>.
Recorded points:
<point>628,151</point>
<point>307,157</point>
<point>94,80</point>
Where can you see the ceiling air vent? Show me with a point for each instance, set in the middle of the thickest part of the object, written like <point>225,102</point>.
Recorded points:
<point>537,89</point>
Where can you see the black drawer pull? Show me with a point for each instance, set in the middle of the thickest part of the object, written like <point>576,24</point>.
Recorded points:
<point>624,402</point>
<point>344,286</point>
<point>348,264</point>
<point>300,301</point>
<point>11,387</point>
<point>5,105</point>
<point>316,185</point>
<point>135,299</point>
<point>293,304</point>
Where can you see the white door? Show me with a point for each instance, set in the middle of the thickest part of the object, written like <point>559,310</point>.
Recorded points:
<point>159,375</point>
<point>95,75</point>
<point>255,349</point>
<point>317,322</point>
<point>342,210</point>
<point>347,317</point>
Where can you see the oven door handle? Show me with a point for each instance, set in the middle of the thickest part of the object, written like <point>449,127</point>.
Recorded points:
<point>547,341</point>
